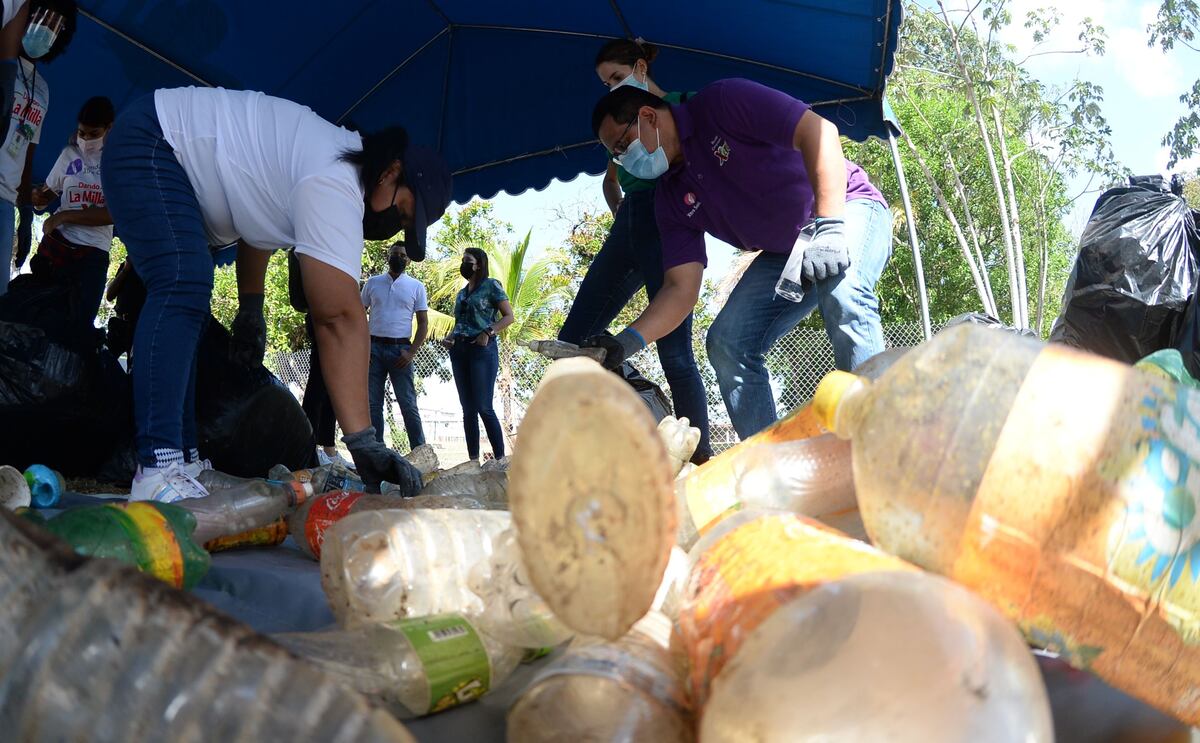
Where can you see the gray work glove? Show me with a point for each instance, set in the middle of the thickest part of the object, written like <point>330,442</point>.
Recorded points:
<point>826,255</point>
<point>376,463</point>
<point>249,332</point>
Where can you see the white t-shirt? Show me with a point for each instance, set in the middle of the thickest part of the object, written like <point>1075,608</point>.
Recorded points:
<point>266,170</point>
<point>392,304</point>
<point>30,100</point>
<point>10,9</point>
<point>77,181</point>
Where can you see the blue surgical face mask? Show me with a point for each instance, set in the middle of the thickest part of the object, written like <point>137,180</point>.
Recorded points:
<point>632,81</point>
<point>38,39</point>
<point>641,163</point>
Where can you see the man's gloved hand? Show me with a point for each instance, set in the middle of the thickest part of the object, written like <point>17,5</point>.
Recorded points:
<point>826,255</point>
<point>617,347</point>
<point>24,234</point>
<point>249,331</point>
<point>376,463</point>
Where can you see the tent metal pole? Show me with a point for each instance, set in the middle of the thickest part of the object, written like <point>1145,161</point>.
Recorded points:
<point>910,218</point>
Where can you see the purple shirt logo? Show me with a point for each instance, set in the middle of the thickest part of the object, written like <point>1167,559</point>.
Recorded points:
<point>76,166</point>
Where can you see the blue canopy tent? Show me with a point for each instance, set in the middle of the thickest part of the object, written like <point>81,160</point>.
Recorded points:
<point>503,90</point>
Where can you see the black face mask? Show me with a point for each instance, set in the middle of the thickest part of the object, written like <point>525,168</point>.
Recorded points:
<point>467,270</point>
<point>396,264</point>
<point>385,224</point>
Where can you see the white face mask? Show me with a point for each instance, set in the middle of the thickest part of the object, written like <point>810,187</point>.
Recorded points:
<point>90,148</point>
<point>632,81</point>
<point>641,163</point>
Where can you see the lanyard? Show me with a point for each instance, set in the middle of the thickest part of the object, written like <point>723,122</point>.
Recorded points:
<point>29,84</point>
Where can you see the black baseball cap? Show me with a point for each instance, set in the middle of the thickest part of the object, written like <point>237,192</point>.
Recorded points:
<point>428,175</point>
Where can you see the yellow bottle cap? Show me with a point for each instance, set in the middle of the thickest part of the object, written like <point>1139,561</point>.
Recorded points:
<point>829,396</point>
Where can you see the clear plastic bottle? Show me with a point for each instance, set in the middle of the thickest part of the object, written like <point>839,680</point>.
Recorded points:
<point>327,478</point>
<point>232,508</point>
<point>309,523</point>
<point>628,690</point>
<point>121,657</point>
<point>1060,486</point>
<point>591,495</point>
<point>430,501</point>
<point>379,566</point>
<point>414,666</point>
<point>489,488</point>
<point>552,349</point>
<point>512,611</point>
<point>906,657</point>
<point>424,458</point>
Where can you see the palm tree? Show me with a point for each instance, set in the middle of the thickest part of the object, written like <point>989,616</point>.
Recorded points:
<point>534,291</point>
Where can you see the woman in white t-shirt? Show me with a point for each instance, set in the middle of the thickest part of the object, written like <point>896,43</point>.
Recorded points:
<point>190,168</point>
<point>77,237</point>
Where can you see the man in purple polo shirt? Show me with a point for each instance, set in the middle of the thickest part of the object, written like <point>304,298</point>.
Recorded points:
<point>754,167</point>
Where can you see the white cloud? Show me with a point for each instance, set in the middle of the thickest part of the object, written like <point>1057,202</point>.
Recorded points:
<point>1188,165</point>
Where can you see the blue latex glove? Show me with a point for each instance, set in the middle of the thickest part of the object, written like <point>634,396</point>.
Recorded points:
<point>826,255</point>
<point>617,347</point>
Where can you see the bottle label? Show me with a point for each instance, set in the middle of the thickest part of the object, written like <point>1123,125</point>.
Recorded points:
<point>456,663</point>
<point>266,536</point>
<point>324,513</point>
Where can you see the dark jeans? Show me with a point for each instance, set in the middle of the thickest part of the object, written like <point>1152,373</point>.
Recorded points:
<point>631,258</point>
<point>158,217</point>
<point>383,359</point>
<point>85,267</point>
<point>475,368</point>
<point>317,405</point>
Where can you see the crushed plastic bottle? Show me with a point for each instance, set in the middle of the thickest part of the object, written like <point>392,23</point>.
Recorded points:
<point>512,611</point>
<point>154,537</point>
<point>14,490</point>
<point>232,508</point>
<point>379,566</point>
<point>424,458</point>
<point>122,657</point>
<point>591,497</point>
<point>309,523</point>
<point>553,349</point>
<point>327,478</point>
<point>46,486</point>
<point>489,488</point>
<point>459,502</point>
<point>681,440</point>
<point>413,666</point>
<point>627,690</point>
<point>906,657</point>
<point>1059,485</point>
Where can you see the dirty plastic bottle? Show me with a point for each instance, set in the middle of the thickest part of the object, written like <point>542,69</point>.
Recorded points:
<point>378,566</point>
<point>906,657</point>
<point>429,501</point>
<point>512,611</point>
<point>627,690</point>
<point>120,657</point>
<point>489,488</point>
<point>553,349</point>
<point>234,507</point>
<point>424,458</point>
<point>271,535</point>
<point>681,440</point>
<point>327,478</point>
<point>309,523</point>
<point>590,490</point>
<point>154,537</point>
<point>1059,485</point>
<point>14,490</point>
<point>413,666</point>
<point>46,486</point>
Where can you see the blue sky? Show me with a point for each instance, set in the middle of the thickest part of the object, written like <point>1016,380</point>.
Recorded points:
<point>1142,88</point>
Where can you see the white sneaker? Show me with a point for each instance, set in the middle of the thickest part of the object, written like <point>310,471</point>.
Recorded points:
<point>166,485</point>
<point>335,458</point>
<point>195,468</point>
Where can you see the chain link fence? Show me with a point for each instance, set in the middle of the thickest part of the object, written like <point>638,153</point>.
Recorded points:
<point>797,363</point>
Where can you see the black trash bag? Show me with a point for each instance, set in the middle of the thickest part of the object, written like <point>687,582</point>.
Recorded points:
<point>979,318</point>
<point>1188,340</point>
<point>247,421</point>
<point>51,305</point>
<point>651,393</point>
<point>1135,274</point>
<point>67,407</point>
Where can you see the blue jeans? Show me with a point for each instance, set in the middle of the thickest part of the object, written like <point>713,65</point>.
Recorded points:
<point>754,317</point>
<point>158,217</point>
<point>475,368</point>
<point>8,230</point>
<point>383,359</point>
<point>630,258</point>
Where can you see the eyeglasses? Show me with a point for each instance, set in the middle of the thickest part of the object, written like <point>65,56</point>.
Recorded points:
<point>619,149</point>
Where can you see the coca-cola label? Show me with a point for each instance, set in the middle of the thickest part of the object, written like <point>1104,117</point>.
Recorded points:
<point>324,513</point>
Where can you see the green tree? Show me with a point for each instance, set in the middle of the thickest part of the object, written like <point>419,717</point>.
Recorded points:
<point>1178,22</point>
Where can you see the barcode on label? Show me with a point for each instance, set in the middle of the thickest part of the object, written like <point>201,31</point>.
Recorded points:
<point>447,633</point>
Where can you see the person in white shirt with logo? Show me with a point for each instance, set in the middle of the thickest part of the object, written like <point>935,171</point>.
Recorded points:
<point>77,237</point>
<point>50,27</point>
<point>392,300</point>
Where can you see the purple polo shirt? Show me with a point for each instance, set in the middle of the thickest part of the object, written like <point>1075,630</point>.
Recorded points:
<point>741,180</point>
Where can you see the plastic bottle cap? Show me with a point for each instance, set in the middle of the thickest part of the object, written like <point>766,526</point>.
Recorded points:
<point>829,395</point>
